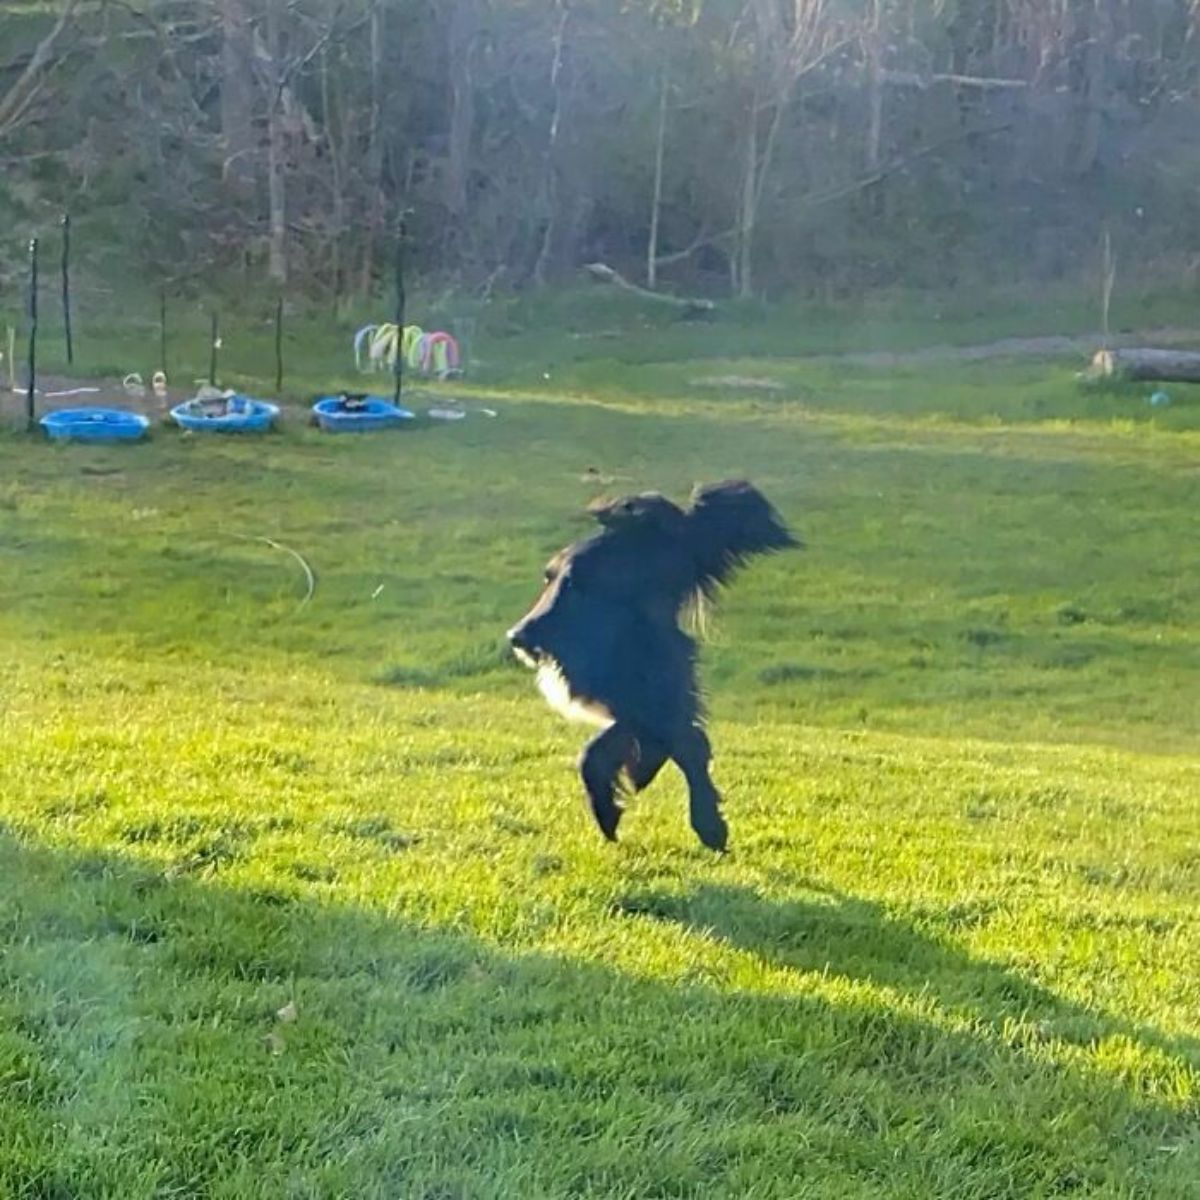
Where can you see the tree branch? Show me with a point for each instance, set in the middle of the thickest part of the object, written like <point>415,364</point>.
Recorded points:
<point>688,305</point>
<point>817,199</point>
<point>17,98</point>
<point>912,79</point>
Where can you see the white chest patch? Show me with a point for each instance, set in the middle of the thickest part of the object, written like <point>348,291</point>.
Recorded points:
<point>554,688</point>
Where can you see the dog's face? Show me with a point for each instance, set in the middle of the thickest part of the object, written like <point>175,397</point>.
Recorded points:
<point>594,587</point>
<point>535,635</point>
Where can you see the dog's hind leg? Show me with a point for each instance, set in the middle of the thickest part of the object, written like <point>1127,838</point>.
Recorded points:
<point>644,761</point>
<point>691,750</point>
<point>599,766</point>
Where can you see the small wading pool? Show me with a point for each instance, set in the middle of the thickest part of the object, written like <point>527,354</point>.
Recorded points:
<point>94,425</point>
<point>358,414</point>
<point>229,414</point>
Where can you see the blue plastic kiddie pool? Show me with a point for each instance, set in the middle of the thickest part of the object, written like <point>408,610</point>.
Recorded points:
<point>95,425</point>
<point>358,414</point>
<point>228,414</point>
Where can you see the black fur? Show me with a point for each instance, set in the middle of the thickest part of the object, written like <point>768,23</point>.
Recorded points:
<point>607,620</point>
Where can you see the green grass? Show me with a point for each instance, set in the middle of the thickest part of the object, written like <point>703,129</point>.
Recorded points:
<point>954,952</point>
<point>572,335</point>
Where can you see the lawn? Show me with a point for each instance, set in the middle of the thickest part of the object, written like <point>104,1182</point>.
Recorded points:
<point>301,901</point>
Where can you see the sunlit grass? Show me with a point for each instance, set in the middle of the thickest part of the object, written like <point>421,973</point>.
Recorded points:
<point>300,899</point>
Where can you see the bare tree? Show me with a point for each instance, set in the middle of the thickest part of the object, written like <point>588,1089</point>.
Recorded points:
<point>17,101</point>
<point>660,140</point>
<point>857,140</point>
<point>461,34</point>
<point>789,39</point>
<point>873,45</point>
<point>374,154</point>
<point>237,95</point>
<point>1097,30</point>
<point>277,267</point>
<point>551,182</point>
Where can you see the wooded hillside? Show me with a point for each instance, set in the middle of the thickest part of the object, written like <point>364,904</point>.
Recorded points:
<point>744,147</point>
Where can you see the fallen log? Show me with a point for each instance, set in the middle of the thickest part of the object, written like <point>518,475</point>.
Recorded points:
<point>688,306</point>
<point>1167,366</point>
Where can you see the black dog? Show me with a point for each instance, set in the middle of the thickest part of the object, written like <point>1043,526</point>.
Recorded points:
<point>605,639</point>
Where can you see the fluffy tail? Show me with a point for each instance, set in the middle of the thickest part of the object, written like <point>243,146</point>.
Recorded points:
<point>728,523</point>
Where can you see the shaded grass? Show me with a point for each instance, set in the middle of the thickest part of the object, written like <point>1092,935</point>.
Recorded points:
<point>797,1049</point>
<point>300,901</point>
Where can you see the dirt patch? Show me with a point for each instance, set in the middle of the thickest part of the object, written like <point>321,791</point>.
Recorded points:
<point>1054,346</point>
<point>741,383</point>
<point>55,392</point>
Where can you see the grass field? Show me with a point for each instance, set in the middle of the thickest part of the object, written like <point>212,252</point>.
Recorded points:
<point>301,901</point>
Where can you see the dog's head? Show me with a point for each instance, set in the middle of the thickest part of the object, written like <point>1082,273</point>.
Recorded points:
<point>537,635</point>
<point>649,559</point>
<point>592,588</point>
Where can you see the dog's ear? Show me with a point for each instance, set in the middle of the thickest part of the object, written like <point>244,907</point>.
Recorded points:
<point>646,511</point>
<point>604,510</point>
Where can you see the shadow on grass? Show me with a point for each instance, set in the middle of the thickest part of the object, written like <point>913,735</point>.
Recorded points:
<point>165,1036</point>
<point>860,942</point>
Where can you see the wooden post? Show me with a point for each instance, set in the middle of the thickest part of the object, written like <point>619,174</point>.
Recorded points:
<point>278,346</point>
<point>216,345</point>
<point>398,368</point>
<point>66,285</point>
<point>162,330</point>
<point>30,412</point>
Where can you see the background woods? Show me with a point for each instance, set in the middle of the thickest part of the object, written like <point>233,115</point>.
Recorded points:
<point>745,147</point>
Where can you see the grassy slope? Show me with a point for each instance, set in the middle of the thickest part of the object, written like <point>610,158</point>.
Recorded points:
<point>955,952</point>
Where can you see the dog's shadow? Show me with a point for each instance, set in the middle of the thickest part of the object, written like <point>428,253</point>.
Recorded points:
<point>860,941</point>
<point>444,1052</point>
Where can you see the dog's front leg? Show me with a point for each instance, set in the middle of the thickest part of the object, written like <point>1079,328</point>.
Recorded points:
<point>599,766</point>
<point>691,750</point>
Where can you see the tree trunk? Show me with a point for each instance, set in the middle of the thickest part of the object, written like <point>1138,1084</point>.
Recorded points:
<point>237,97</point>
<point>276,154</point>
<point>1095,86</point>
<point>1178,366</point>
<point>789,41</point>
<point>459,40</point>
<point>874,49</point>
<point>747,207</point>
<point>335,140</point>
<point>374,155</point>
<point>656,202</point>
<point>550,226</point>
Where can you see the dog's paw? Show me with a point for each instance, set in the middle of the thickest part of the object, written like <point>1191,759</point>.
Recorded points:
<point>608,823</point>
<point>607,818</point>
<point>713,833</point>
